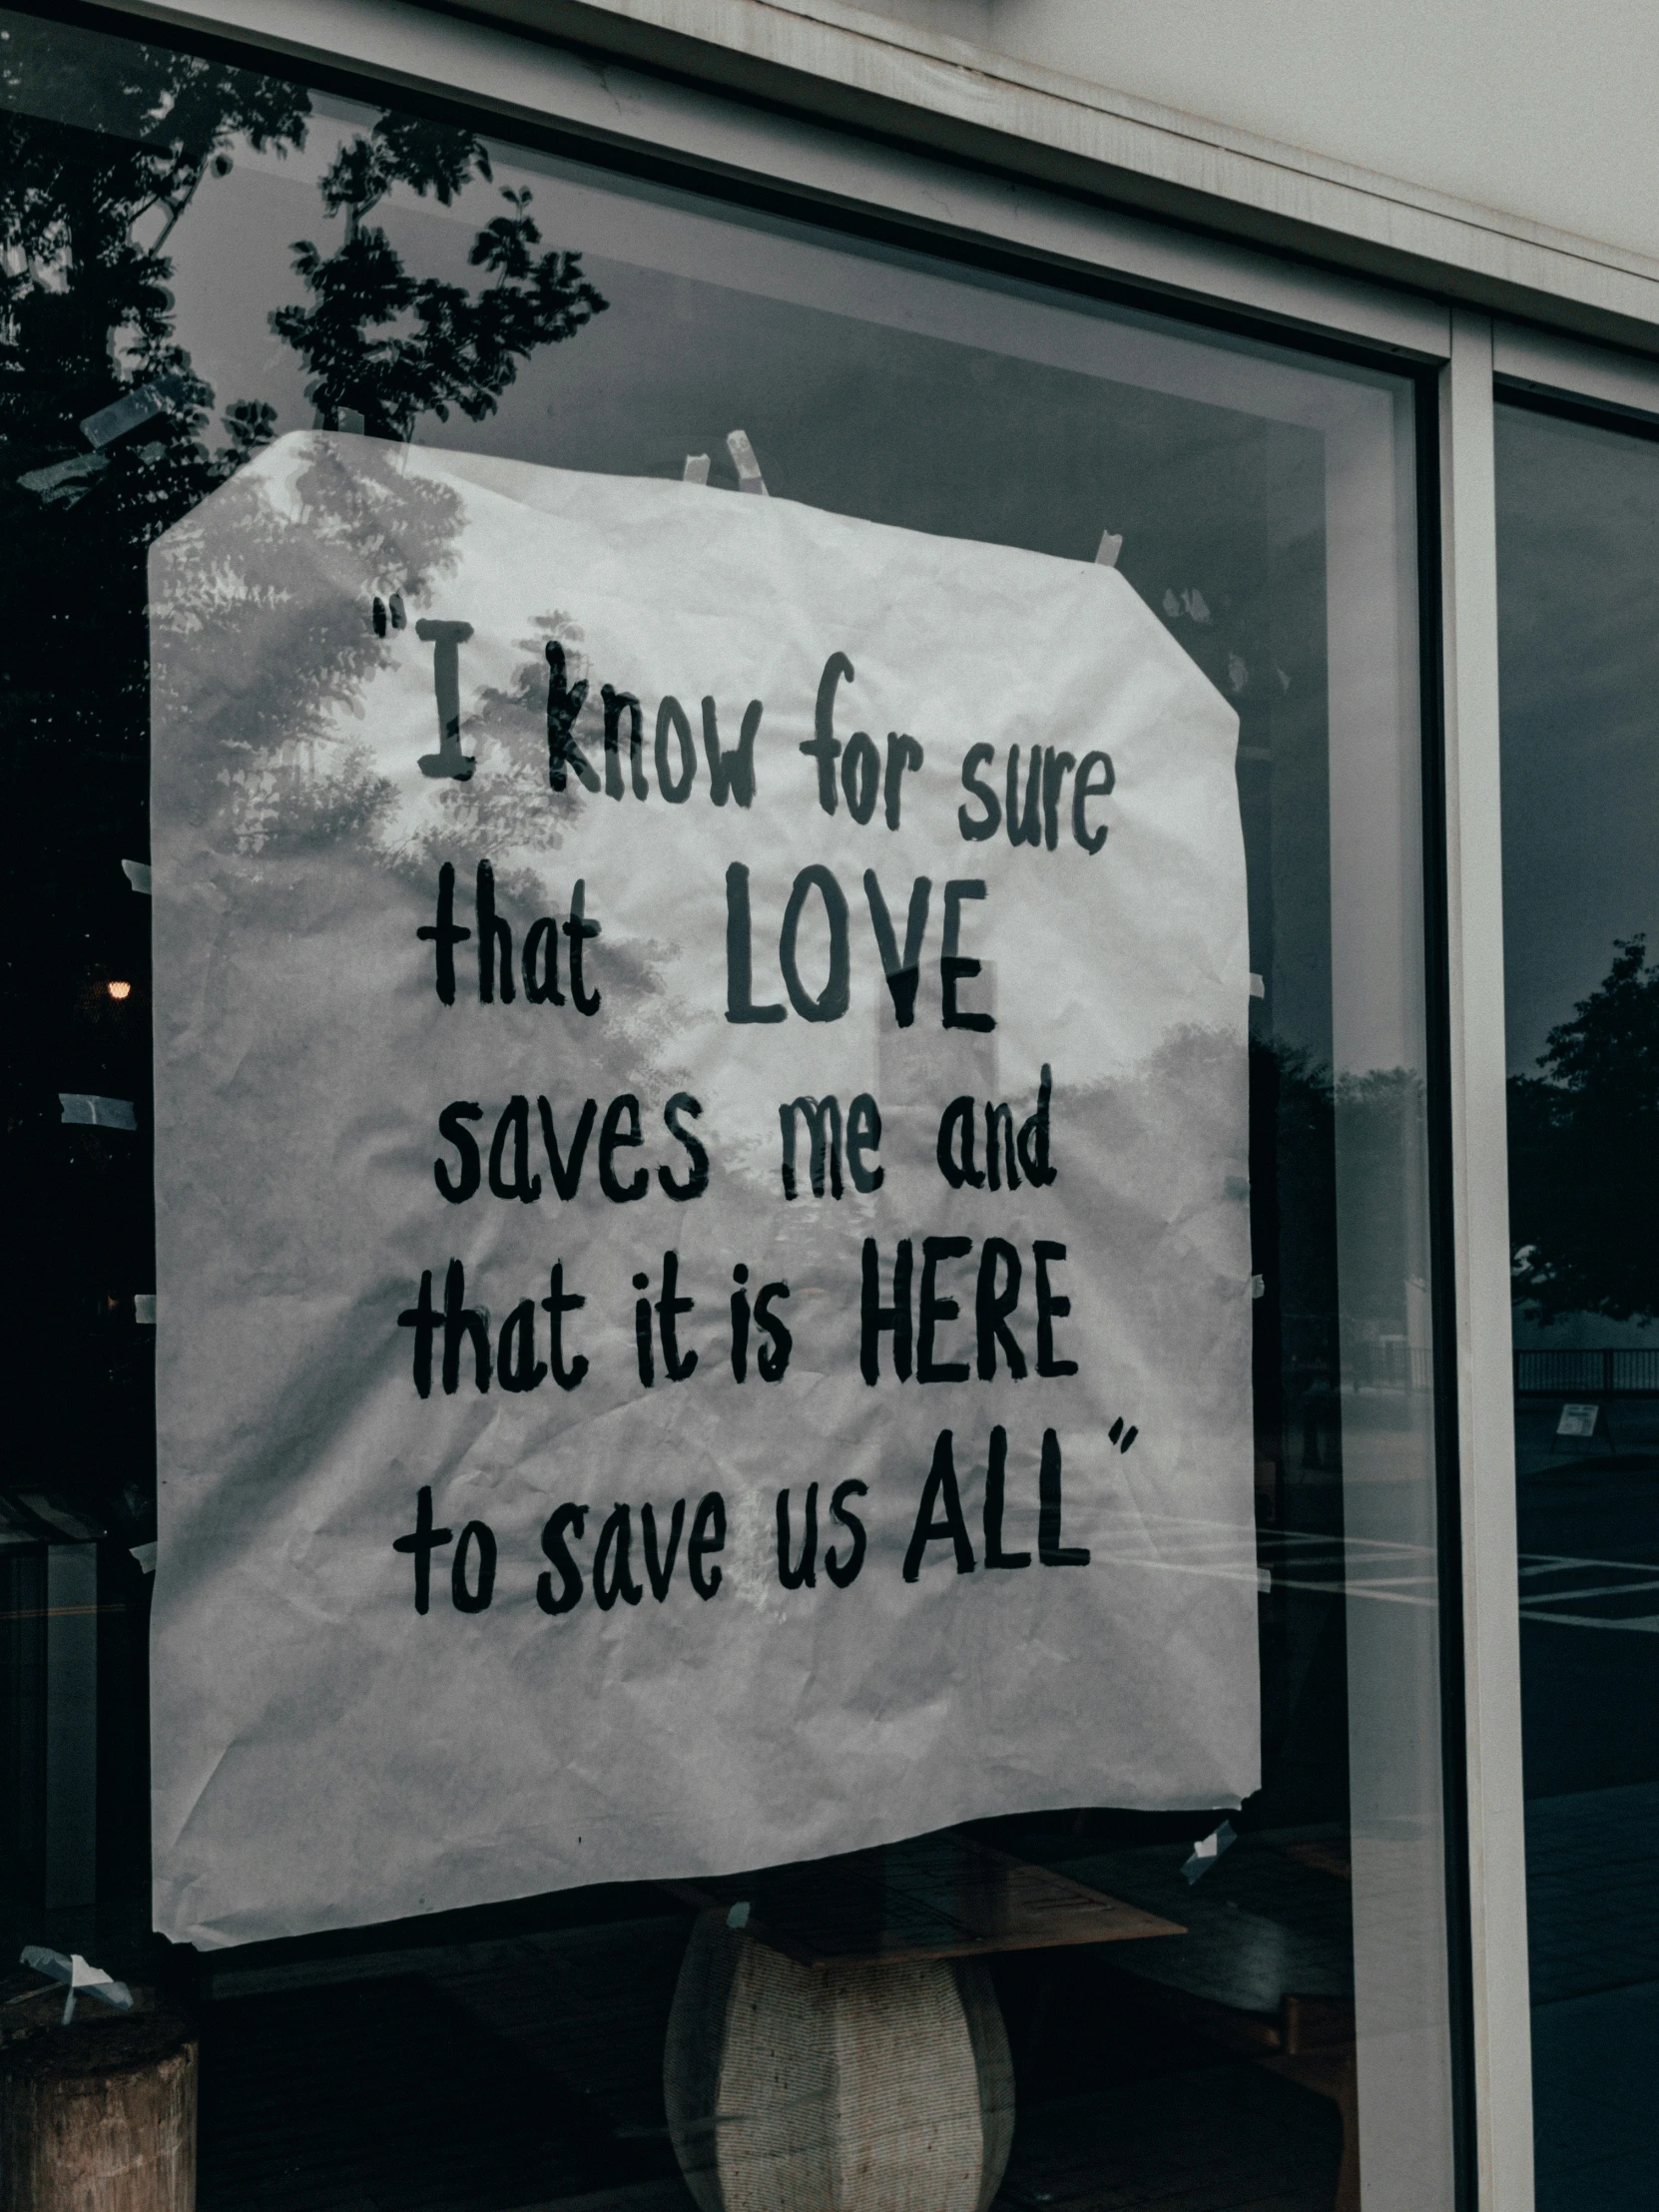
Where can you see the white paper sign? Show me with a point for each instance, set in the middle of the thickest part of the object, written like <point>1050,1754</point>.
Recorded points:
<point>701,1137</point>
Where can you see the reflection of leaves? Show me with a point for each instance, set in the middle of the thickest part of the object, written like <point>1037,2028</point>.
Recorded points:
<point>513,815</point>
<point>512,808</point>
<point>433,345</point>
<point>1583,1136</point>
<point>1310,1134</point>
<point>402,149</point>
<point>103,146</point>
<point>1380,1146</point>
<point>86,319</point>
<point>259,604</point>
<point>250,424</point>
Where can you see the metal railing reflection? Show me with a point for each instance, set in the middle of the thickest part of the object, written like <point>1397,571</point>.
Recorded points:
<point>1624,1371</point>
<point>1274,1558</point>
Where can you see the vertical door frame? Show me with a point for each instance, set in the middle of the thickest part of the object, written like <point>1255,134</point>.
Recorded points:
<point>1498,1996</point>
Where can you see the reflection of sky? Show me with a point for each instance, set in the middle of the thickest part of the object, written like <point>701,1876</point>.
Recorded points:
<point>900,393</point>
<point>1578,613</point>
<point>1247,483</point>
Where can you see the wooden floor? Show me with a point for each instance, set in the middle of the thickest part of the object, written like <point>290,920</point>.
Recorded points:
<point>526,2073</point>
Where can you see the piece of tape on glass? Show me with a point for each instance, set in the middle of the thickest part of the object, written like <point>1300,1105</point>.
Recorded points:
<point>75,1970</point>
<point>144,1308</point>
<point>1207,1851</point>
<point>748,467</point>
<point>145,1554</point>
<point>1110,546</point>
<point>1258,989</point>
<point>137,874</point>
<point>739,1916</point>
<point>133,410</point>
<point>98,1113</point>
<point>696,471</point>
<point>55,481</point>
<point>1258,1285</point>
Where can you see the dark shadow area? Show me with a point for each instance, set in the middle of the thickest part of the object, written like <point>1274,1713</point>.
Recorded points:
<point>1580,890</point>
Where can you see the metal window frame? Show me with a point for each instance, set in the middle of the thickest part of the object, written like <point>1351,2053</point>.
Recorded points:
<point>1498,1996</point>
<point>1548,365</point>
<point>1492,358</point>
<point>595,103</point>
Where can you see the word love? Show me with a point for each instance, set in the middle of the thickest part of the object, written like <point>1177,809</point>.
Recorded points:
<point>901,963</point>
<point>533,964</point>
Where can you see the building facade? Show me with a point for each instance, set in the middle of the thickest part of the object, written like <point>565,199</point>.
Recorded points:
<point>1336,340</point>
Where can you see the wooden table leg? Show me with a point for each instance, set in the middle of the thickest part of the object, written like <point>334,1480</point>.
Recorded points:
<point>1331,2074</point>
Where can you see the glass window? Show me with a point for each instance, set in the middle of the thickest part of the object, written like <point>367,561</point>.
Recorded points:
<point>1578,569</point>
<point>202,260</point>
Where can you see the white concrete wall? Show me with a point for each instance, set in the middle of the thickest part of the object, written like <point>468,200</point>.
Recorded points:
<point>1542,109</point>
<point>1499,151</point>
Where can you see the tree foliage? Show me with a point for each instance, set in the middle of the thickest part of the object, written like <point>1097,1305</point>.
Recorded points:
<point>106,146</point>
<point>1584,1152</point>
<point>389,347</point>
<point>87,209</point>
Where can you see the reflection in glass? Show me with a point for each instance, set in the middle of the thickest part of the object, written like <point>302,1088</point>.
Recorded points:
<point>202,258</point>
<point>1578,554</point>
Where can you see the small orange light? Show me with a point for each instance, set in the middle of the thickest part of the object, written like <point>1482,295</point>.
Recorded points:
<point>119,990</point>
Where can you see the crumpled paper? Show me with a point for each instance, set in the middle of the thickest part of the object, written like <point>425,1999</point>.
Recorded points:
<point>613,1678</point>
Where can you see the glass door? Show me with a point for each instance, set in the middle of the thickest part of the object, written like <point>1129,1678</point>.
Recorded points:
<point>250,315</point>
<point>1580,902</point>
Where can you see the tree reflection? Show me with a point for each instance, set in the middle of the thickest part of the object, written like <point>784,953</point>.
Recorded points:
<point>1583,1138</point>
<point>107,438</point>
<point>389,347</point>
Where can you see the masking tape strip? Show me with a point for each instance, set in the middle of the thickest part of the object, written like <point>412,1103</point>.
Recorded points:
<point>75,1970</point>
<point>1110,546</point>
<point>696,471</point>
<point>1207,1851</point>
<point>133,410</point>
<point>137,874</point>
<point>749,468</point>
<point>52,483</point>
<point>144,1308</point>
<point>98,1113</point>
